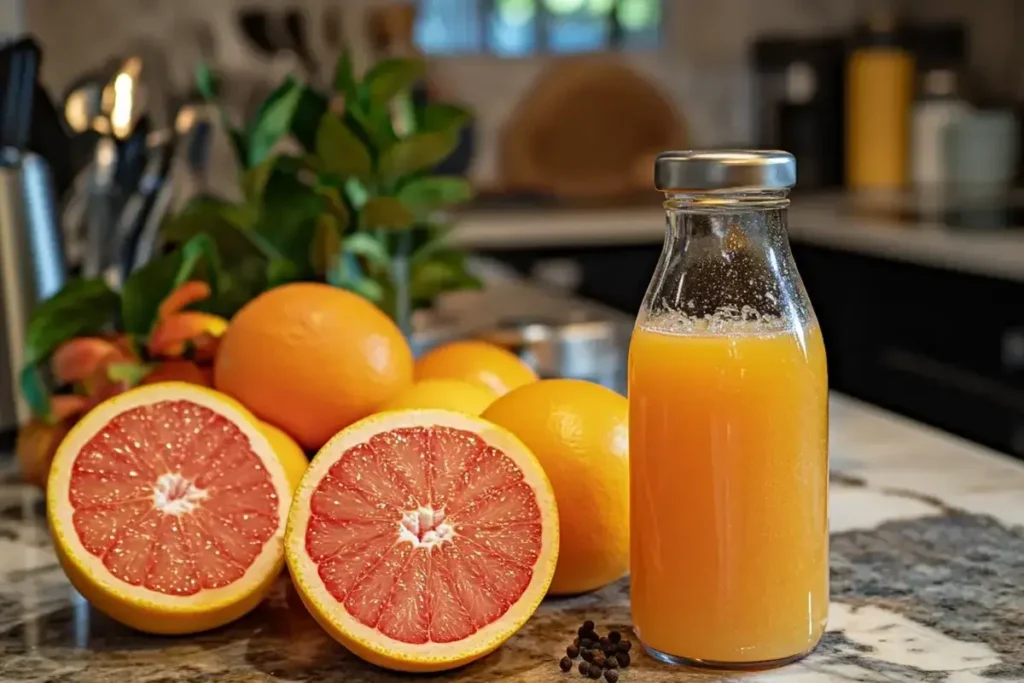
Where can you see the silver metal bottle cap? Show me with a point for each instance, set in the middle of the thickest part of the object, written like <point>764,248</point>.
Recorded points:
<point>733,169</point>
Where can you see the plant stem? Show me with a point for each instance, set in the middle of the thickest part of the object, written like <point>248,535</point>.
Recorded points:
<point>400,273</point>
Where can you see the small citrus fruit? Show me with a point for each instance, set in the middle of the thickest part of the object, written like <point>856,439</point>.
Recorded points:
<point>312,359</point>
<point>291,455</point>
<point>167,509</point>
<point>445,394</point>
<point>578,431</point>
<point>485,365</point>
<point>422,539</point>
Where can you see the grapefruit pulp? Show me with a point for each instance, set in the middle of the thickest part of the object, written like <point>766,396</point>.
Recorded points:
<point>423,539</point>
<point>167,508</point>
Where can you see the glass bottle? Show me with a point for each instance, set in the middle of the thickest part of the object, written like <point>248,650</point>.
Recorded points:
<point>728,395</point>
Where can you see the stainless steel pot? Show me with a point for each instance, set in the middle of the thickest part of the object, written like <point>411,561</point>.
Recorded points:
<point>583,347</point>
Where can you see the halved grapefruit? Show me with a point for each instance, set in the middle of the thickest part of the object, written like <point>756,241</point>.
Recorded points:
<point>422,539</point>
<point>167,507</point>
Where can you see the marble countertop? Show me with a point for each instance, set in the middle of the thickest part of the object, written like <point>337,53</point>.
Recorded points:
<point>927,586</point>
<point>828,222</point>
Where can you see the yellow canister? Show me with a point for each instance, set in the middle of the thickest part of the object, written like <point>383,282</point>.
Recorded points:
<point>880,87</point>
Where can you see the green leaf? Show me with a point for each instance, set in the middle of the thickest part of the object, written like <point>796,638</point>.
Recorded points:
<point>416,153</point>
<point>389,77</point>
<point>228,225</point>
<point>254,180</point>
<point>146,288</point>
<point>281,271</point>
<point>326,247</point>
<point>238,144</point>
<point>287,222</point>
<point>241,282</point>
<point>344,76</point>
<point>445,272</point>
<point>312,106</point>
<point>206,82</point>
<point>386,212</point>
<point>199,249</point>
<point>336,208</point>
<point>435,242</point>
<point>33,390</point>
<point>273,120</point>
<point>374,125</point>
<point>356,192</point>
<point>340,151</point>
<point>82,307</point>
<point>369,289</point>
<point>443,117</point>
<point>426,194</point>
<point>348,274</point>
<point>131,374</point>
<point>367,246</point>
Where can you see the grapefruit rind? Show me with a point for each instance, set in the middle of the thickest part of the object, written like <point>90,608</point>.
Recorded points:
<point>369,643</point>
<point>139,607</point>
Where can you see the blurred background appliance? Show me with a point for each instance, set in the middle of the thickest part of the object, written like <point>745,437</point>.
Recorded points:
<point>798,104</point>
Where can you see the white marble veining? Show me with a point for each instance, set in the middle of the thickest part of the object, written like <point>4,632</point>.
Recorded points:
<point>904,499</point>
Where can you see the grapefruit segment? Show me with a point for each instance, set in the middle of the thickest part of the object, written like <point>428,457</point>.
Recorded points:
<point>422,539</point>
<point>167,507</point>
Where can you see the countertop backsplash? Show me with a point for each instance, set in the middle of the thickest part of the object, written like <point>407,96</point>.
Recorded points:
<point>701,66</point>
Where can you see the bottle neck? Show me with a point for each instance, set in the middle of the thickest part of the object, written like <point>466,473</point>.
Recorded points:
<point>728,255</point>
<point>760,218</point>
<point>727,201</point>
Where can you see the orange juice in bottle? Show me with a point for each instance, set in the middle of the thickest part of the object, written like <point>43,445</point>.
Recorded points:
<point>728,395</point>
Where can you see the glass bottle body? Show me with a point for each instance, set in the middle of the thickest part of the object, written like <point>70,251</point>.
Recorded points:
<point>728,396</point>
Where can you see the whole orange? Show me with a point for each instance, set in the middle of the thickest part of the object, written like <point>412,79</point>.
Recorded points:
<point>579,432</point>
<point>485,365</point>
<point>312,359</point>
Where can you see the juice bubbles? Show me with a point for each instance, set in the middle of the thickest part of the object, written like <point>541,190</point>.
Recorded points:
<point>728,445</point>
<point>728,458</point>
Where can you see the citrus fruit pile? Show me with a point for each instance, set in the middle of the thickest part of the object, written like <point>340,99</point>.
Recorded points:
<point>446,499</point>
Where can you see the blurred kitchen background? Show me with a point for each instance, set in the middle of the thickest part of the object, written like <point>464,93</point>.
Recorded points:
<point>905,118</point>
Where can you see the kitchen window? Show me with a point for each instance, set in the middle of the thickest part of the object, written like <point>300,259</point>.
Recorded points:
<point>525,28</point>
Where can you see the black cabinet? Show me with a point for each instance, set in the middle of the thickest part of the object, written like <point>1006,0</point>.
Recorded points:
<point>942,347</point>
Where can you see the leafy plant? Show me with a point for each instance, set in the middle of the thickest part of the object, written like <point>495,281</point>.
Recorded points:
<point>358,207</point>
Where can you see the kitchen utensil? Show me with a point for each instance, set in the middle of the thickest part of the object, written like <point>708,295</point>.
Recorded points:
<point>32,265</point>
<point>298,42</point>
<point>19,64</point>
<point>582,347</point>
<point>255,25</point>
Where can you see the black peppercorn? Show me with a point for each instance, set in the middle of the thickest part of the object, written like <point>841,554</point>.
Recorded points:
<point>614,636</point>
<point>623,658</point>
<point>565,664</point>
<point>594,672</point>
<point>588,625</point>
<point>604,641</point>
<point>624,646</point>
<point>599,661</point>
<point>609,650</point>
<point>611,676</point>
<point>611,663</point>
<point>588,655</point>
<point>576,641</point>
<point>586,644</point>
<point>572,651</point>
<point>584,668</point>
